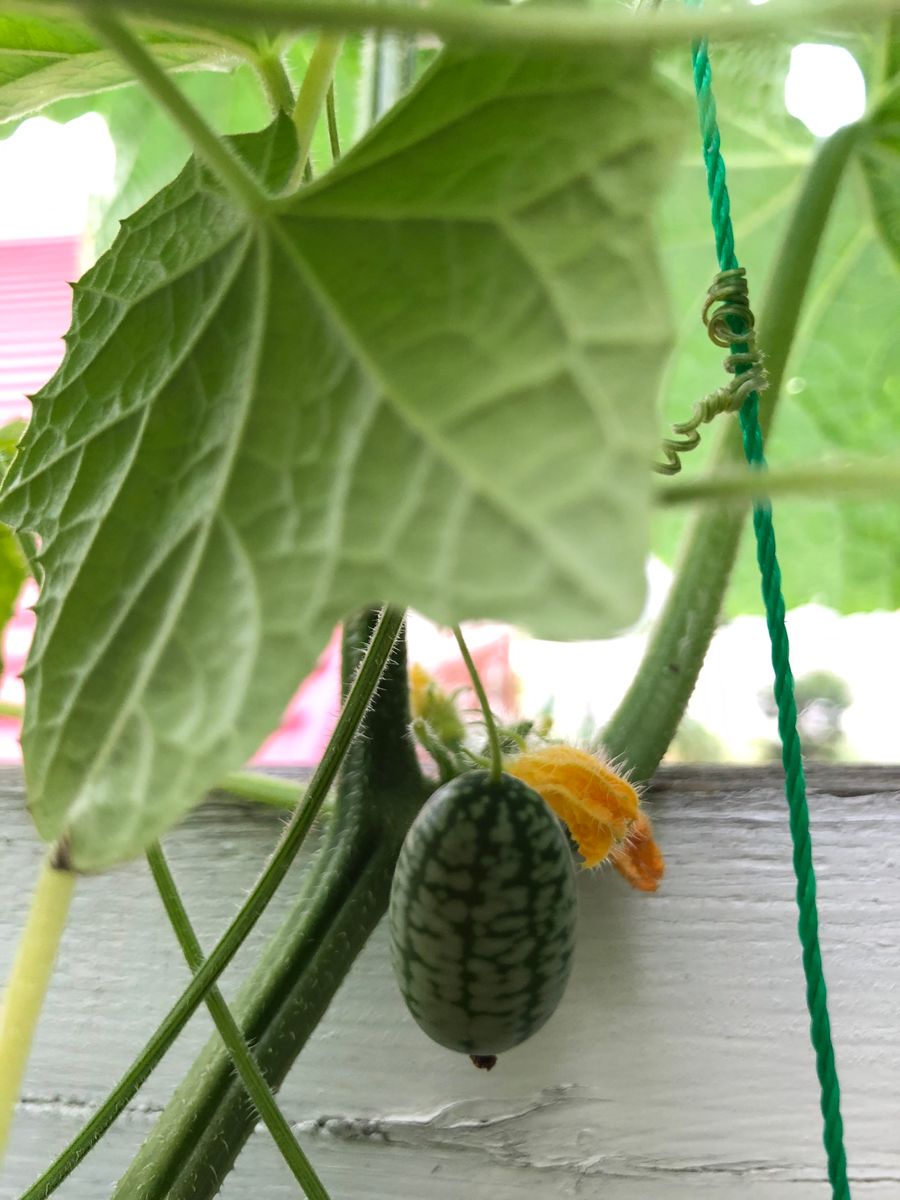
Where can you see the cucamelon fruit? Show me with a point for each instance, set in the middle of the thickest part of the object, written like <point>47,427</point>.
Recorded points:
<point>482,915</point>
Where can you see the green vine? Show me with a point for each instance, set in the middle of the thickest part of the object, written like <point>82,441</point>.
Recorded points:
<point>239,1052</point>
<point>644,724</point>
<point>343,896</point>
<point>358,699</point>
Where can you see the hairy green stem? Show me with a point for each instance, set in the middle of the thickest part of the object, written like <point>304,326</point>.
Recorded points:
<point>216,153</point>
<point>358,699</point>
<point>550,27</point>
<point>312,95</point>
<point>27,984</point>
<point>232,1038</point>
<point>344,893</point>
<point>490,723</point>
<point>866,479</point>
<point>645,722</point>
<point>275,79</point>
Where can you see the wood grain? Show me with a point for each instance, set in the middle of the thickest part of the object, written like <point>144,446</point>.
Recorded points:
<point>677,1066</point>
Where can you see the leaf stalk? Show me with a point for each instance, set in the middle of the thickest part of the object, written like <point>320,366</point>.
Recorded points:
<point>496,767</point>
<point>275,80</point>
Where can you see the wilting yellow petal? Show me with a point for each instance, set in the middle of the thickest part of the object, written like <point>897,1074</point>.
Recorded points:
<point>599,806</point>
<point>639,859</point>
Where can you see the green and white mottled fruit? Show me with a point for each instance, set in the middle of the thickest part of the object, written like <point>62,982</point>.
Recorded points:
<point>482,914</point>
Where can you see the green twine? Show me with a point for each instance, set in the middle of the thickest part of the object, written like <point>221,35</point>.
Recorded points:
<point>795,783</point>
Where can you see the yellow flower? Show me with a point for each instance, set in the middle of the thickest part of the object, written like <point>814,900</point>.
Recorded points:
<point>420,683</point>
<point>601,809</point>
<point>431,703</point>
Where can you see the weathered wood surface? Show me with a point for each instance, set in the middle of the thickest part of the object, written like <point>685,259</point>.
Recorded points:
<point>677,1068</point>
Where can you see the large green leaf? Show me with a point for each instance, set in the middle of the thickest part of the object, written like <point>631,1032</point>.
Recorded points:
<point>43,60</point>
<point>427,379</point>
<point>843,389</point>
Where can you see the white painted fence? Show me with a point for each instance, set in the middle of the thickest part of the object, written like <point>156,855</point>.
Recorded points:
<point>677,1068</point>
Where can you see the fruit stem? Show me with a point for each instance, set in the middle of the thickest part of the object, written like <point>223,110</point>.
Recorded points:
<point>490,723</point>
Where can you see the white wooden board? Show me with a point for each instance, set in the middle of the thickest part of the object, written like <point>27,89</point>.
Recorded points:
<point>677,1067</point>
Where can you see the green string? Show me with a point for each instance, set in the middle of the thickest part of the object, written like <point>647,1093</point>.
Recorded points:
<point>795,783</point>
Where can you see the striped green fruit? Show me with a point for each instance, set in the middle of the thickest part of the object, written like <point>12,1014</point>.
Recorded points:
<point>482,914</point>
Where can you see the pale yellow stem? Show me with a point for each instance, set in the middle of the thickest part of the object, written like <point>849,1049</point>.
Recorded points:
<point>313,93</point>
<point>28,982</point>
